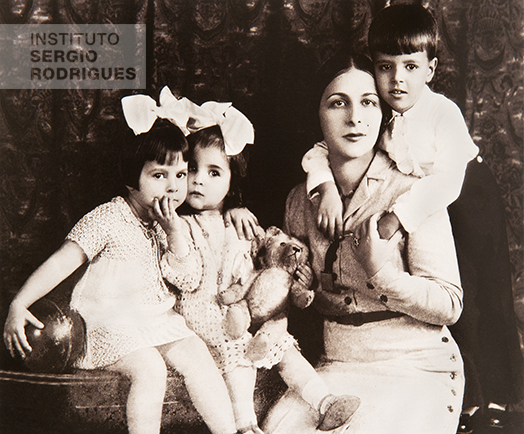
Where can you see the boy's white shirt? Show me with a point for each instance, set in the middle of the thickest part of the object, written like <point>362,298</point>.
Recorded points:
<point>439,142</point>
<point>315,163</point>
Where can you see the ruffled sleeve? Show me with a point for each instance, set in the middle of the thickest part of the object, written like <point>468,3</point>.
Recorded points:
<point>316,164</point>
<point>183,272</point>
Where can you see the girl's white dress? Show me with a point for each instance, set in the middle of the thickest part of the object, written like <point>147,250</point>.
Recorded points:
<point>224,260</point>
<point>122,297</point>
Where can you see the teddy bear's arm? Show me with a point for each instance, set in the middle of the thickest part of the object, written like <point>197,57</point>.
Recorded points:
<point>233,294</point>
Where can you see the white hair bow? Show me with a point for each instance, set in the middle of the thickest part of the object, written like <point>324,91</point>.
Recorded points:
<point>141,112</point>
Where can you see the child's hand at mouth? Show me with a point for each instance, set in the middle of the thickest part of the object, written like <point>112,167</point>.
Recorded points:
<point>164,212</point>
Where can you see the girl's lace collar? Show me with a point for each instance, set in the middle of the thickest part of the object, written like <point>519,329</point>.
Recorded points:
<point>208,216</point>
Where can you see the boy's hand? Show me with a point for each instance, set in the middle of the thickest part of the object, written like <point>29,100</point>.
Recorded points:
<point>388,224</point>
<point>14,329</point>
<point>370,250</point>
<point>245,222</point>
<point>330,209</point>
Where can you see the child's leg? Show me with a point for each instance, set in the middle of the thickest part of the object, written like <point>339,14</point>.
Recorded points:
<point>299,375</point>
<point>147,371</point>
<point>191,358</point>
<point>241,385</point>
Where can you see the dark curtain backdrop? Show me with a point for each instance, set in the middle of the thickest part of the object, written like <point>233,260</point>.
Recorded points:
<point>58,149</point>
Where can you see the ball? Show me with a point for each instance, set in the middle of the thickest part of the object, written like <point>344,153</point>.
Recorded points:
<point>59,343</point>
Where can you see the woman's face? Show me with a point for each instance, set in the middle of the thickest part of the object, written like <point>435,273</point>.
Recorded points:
<point>350,115</point>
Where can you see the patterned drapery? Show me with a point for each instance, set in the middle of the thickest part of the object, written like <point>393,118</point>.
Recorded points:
<point>58,148</point>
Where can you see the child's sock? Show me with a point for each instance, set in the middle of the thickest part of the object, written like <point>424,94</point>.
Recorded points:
<point>244,414</point>
<point>241,384</point>
<point>298,374</point>
<point>314,392</point>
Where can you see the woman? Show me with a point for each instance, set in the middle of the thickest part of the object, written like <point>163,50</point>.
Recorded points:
<point>385,303</point>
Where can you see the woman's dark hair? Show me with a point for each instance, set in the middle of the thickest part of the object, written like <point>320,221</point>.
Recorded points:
<point>403,29</point>
<point>339,63</point>
<point>158,144</point>
<point>212,137</point>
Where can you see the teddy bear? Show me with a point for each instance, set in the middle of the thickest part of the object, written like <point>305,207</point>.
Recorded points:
<point>281,276</point>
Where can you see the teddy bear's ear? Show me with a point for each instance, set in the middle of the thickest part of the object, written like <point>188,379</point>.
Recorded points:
<point>273,231</point>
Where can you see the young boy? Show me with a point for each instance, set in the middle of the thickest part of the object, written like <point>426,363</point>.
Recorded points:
<point>426,134</point>
<point>433,143</point>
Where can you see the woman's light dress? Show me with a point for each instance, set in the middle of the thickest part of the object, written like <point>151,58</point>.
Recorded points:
<point>407,371</point>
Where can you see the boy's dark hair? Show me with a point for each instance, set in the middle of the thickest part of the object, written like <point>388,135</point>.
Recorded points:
<point>403,29</point>
<point>156,144</point>
<point>212,137</point>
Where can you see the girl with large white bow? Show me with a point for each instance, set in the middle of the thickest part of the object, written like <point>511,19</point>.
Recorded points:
<point>131,326</point>
<point>216,165</point>
<point>141,111</point>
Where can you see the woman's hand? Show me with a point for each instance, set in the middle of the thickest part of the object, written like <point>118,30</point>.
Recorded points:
<point>371,251</point>
<point>245,222</point>
<point>14,329</point>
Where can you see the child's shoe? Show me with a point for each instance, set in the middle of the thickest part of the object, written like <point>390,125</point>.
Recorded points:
<point>335,411</point>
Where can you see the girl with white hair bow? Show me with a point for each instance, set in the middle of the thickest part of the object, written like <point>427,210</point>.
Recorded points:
<point>216,166</point>
<point>131,326</point>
